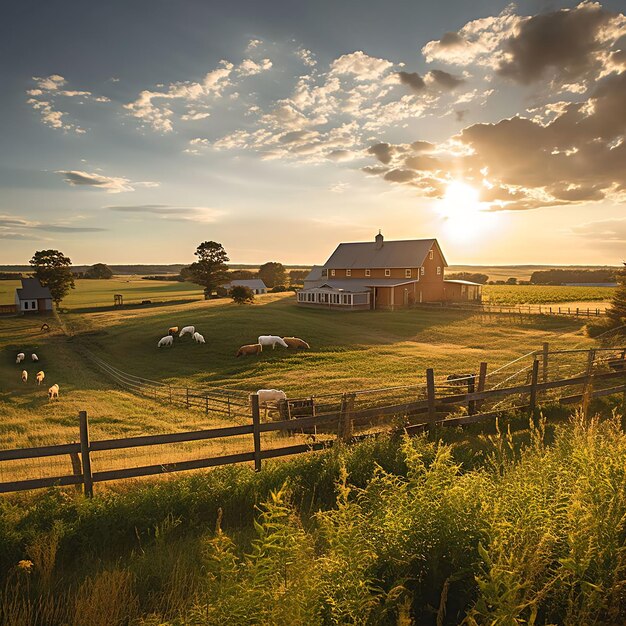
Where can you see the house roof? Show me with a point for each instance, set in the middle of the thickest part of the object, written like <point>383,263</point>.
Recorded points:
<point>461,282</point>
<point>357,285</point>
<point>32,290</point>
<point>253,283</point>
<point>392,254</point>
<point>315,273</point>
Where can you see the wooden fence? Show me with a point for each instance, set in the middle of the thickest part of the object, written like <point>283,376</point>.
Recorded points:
<point>416,415</point>
<point>519,309</point>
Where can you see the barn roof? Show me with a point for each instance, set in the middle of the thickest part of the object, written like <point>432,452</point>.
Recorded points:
<point>461,282</point>
<point>32,290</point>
<point>391,254</point>
<point>315,273</point>
<point>253,283</point>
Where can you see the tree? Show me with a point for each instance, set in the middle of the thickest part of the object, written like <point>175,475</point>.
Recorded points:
<point>54,270</point>
<point>511,281</point>
<point>100,271</point>
<point>210,270</point>
<point>241,294</point>
<point>241,275</point>
<point>617,310</point>
<point>296,277</point>
<point>272,274</point>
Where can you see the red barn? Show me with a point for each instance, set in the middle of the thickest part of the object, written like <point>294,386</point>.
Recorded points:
<point>384,275</point>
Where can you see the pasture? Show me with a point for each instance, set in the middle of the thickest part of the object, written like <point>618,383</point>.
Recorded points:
<point>349,351</point>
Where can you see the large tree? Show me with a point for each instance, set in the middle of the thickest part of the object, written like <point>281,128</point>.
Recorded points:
<point>99,270</point>
<point>242,295</point>
<point>210,270</point>
<point>617,311</point>
<point>54,270</point>
<point>272,274</point>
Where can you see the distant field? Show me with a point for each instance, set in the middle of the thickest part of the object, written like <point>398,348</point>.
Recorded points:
<point>521,272</point>
<point>99,293</point>
<point>544,294</point>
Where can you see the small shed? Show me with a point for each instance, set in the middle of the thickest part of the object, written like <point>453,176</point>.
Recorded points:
<point>32,297</point>
<point>255,284</point>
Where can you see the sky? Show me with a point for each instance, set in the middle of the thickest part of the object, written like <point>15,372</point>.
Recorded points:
<point>131,131</point>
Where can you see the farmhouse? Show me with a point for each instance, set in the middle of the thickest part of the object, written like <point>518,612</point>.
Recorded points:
<point>256,285</point>
<point>384,275</point>
<point>32,297</point>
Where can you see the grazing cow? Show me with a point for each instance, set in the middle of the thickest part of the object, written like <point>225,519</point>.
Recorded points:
<point>172,330</point>
<point>251,348</point>
<point>198,338</point>
<point>24,376</point>
<point>34,357</point>
<point>459,379</point>
<point>20,357</point>
<point>40,376</point>
<point>272,340</point>
<point>53,392</point>
<point>168,340</point>
<point>296,344</point>
<point>187,329</point>
<point>269,398</point>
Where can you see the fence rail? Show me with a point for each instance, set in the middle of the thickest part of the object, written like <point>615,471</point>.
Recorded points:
<point>419,411</point>
<point>519,309</point>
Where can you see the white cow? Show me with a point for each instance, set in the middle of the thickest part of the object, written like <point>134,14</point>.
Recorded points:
<point>198,338</point>
<point>20,357</point>
<point>272,340</point>
<point>40,376</point>
<point>24,376</point>
<point>168,340</point>
<point>269,398</point>
<point>34,357</point>
<point>187,329</point>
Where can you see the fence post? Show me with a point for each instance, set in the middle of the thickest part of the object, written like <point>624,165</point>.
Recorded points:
<point>430,390</point>
<point>256,431</point>
<point>532,404</point>
<point>84,453</point>
<point>482,381</point>
<point>471,388</point>
<point>588,384</point>
<point>77,468</point>
<point>544,363</point>
<point>344,432</point>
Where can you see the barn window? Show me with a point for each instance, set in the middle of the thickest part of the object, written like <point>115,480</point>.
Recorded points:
<point>25,304</point>
<point>438,271</point>
<point>387,272</point>
<point>348,272</point>
<point>430,255</point>
<point>368,272</point>
<point>407,273</point>
<point>422,270</point>
<point>332,272</point>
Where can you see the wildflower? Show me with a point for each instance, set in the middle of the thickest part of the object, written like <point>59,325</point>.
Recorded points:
<point>25,565</point>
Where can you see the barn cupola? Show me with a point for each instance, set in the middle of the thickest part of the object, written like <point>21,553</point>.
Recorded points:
<point>379,240</point>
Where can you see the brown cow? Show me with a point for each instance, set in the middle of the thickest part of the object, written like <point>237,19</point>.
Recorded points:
<point>251,348</point>
<point>296,344</point>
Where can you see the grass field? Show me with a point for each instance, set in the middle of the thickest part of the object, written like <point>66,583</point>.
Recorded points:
<point>544,294</point>
<point>99,293</point>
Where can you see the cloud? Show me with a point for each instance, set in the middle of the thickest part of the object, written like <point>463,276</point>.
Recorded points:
<point>570,41</point>
<point>46,98</point>
<point>360,65</point>
<point>572,153</point>
<point>170,212</point>
<point>413,80</point>
<point>613,230</point>
<point>110,184</point>
<point>306,56</point>
<point>155,108</point>
<point>444,80</point>
<point>9,224</point>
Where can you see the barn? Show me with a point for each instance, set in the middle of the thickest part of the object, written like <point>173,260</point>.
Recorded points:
<point>384,275</point>
<point>32,297</point>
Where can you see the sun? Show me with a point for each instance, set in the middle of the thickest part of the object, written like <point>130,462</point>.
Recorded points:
<point>460,201</point>
<point>464,215</point>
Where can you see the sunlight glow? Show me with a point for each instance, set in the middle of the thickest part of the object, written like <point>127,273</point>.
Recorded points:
<point>465,216</point>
